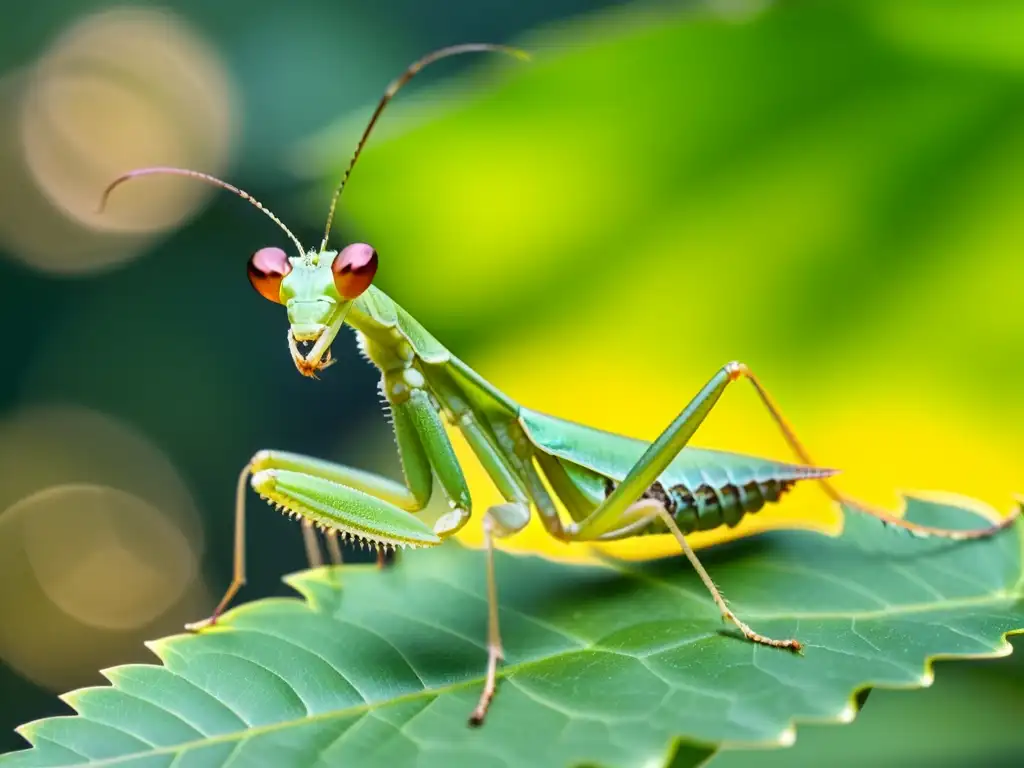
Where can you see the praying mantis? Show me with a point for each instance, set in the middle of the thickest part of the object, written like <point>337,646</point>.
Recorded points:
<point>609,486</point>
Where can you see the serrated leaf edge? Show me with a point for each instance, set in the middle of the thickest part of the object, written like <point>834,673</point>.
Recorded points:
<point>297,581</point>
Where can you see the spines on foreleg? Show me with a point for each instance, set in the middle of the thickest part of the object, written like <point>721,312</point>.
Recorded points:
<point>358,517</point>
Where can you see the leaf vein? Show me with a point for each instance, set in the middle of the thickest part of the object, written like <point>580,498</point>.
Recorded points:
<point>288,641</point>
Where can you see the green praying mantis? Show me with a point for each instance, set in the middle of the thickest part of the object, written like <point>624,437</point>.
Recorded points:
<point>609,486</point>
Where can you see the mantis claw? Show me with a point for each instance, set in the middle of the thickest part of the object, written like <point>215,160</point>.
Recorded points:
<point>306,366</point>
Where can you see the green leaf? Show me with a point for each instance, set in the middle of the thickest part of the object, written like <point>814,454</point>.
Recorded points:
<point>615,664</point>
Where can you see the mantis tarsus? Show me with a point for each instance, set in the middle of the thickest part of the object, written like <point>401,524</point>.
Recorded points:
<point>610,486</point>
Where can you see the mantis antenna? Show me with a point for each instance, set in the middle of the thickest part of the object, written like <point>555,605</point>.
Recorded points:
<point>202,177</point>
<point>392,89</point>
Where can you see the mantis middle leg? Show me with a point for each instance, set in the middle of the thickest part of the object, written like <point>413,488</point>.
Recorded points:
<point>499,521</point>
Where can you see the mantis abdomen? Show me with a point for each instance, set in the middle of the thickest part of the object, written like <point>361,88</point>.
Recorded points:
<point>707,507</point>
<point>701,489</point>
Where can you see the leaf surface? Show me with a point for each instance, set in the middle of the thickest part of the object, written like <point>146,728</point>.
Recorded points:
<point>615,664</point>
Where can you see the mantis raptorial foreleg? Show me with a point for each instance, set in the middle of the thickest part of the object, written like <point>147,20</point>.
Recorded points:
<point>359,504</point>
<point>343,483</point>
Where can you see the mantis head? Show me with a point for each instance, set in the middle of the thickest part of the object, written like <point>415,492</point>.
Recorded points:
<point>316,287</point>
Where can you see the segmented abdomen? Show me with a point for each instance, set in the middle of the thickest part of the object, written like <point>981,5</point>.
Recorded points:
<point>707,507</point>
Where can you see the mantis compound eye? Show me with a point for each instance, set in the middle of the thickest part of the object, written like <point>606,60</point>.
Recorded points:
<point>267,268</point>
<point>354,269</point>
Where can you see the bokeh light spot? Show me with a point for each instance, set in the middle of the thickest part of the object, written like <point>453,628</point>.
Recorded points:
<point>118,90</point>
<point>99,545</point>
<point>106,557</point>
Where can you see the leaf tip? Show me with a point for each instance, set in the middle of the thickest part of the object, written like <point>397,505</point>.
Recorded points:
<point>298,579</point>
<point>28,731</point>
<point>848,713</point>
<point>786,737</point>
<point>71,698</point>
<point>1004,649</point>
<point>162,647</point>
<point>111,674</point>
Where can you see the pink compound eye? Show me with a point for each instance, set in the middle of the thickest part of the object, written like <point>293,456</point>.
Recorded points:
<point>354,269</point>
<point>267,268</point>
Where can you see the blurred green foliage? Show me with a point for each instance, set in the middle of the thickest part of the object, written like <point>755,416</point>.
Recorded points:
<point>826,190</point>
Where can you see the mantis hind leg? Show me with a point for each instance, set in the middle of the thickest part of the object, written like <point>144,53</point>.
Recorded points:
<point>658,510</point>
<point>847,502</point>
<point>624,508</point>
<point>616,512</point>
